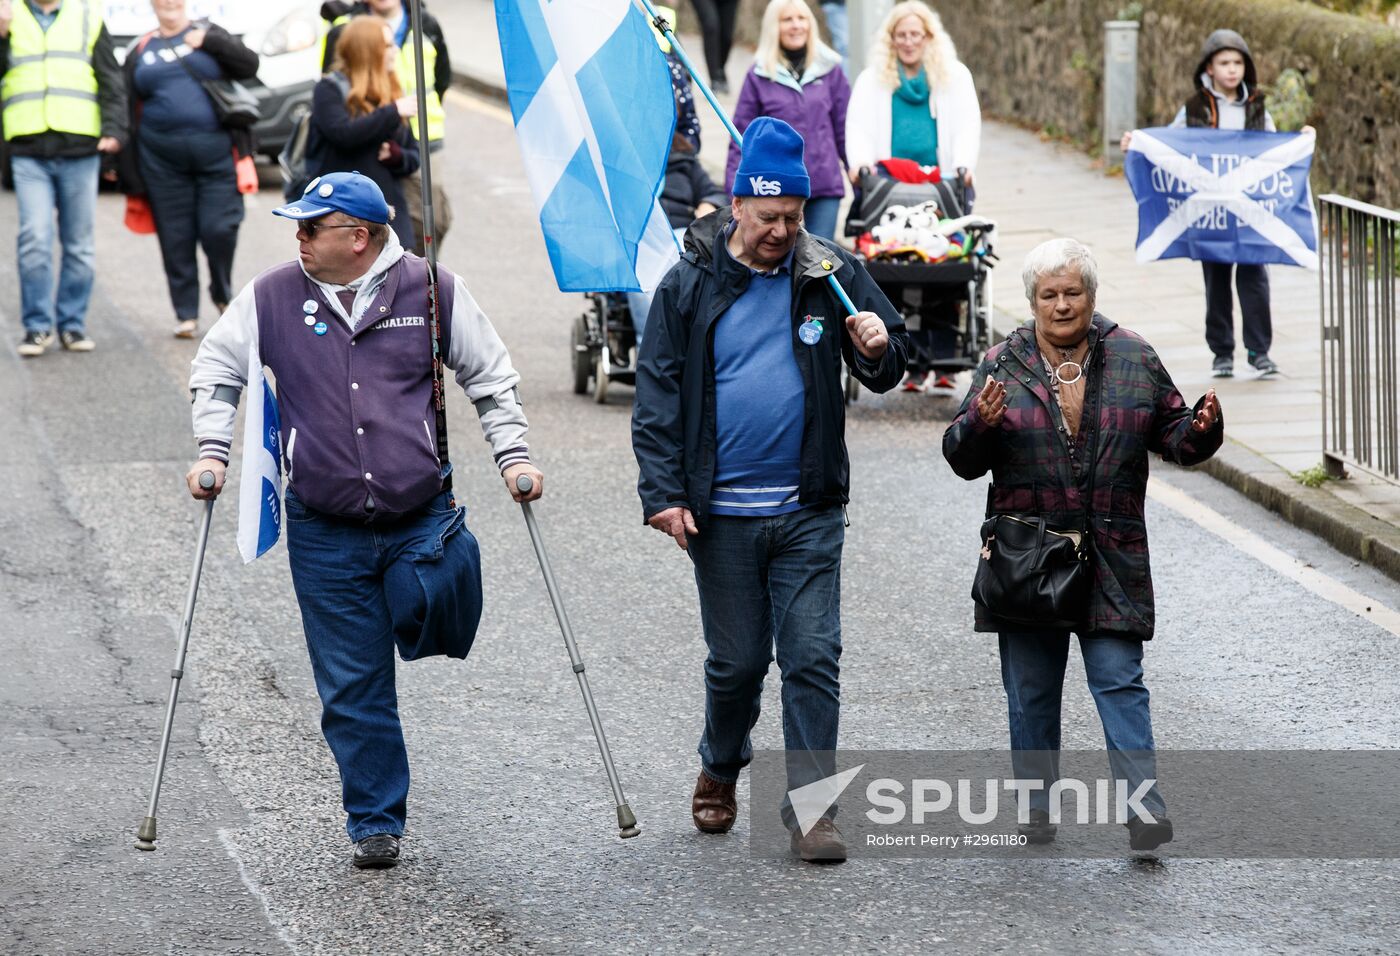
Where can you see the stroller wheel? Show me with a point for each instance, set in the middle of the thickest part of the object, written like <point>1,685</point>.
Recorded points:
<point>580,360</point>
<point>600,381</point>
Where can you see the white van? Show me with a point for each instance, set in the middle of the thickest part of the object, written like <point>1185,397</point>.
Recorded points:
<point>286,35</point>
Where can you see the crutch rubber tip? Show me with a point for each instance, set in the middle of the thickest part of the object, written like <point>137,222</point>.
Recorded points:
<point>146,835</point>
<point>626,822</point>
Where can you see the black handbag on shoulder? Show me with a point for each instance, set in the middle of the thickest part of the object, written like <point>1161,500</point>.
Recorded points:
<point>1036,574</point>
<point>235,106</point>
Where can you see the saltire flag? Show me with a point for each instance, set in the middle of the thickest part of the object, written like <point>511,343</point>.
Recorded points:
<point>591,95</point>
<point>260,485</point>
<point>1215,196</point>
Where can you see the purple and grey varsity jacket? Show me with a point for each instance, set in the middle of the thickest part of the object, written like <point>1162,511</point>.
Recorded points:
<point>355,398</point>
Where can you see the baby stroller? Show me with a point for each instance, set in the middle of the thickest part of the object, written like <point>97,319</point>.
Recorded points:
<point>932,259</point>
<point>604,344</point>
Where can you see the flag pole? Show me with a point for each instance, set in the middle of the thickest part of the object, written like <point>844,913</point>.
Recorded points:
<point>664,27</point>
<point>425,167</point>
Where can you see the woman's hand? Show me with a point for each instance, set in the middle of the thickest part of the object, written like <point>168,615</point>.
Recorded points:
<point>407,106</point>
<point>855,176</point>
<point>195,38</point>
<point>1126,141</point>
<point>704,209</point>
<point>991,403</point>
<point>1208,415</point>
<point>385,152</point>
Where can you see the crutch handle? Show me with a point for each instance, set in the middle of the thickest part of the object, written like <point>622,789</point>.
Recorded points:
<point>206,480</point>
<point>524,484</point>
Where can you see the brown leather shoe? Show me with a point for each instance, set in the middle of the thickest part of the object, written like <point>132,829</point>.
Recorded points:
<point>713,806</point>
<point>822,844</point>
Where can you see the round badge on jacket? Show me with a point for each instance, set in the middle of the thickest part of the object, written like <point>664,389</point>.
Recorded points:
<point>810,332</point>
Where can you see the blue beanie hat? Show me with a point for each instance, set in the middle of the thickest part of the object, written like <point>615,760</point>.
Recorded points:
<point>770,161</point>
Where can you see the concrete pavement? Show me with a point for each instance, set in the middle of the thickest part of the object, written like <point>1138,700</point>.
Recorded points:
<point>1038,190</point>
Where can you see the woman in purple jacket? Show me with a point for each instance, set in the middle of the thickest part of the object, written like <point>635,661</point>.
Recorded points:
<point>798,79</point>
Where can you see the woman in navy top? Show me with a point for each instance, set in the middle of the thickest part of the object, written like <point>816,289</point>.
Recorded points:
<point>184,158</point>
<point>359,116</point>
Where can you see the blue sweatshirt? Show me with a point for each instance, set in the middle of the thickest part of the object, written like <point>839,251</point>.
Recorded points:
<point>759,401</point>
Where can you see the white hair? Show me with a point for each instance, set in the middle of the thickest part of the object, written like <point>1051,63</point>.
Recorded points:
<point>769,54</point>
<point>1058,256</point>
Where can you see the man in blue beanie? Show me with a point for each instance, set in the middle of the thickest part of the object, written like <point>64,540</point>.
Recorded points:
<point>738,429</point>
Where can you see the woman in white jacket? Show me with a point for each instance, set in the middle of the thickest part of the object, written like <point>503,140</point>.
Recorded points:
<point>916,100</point>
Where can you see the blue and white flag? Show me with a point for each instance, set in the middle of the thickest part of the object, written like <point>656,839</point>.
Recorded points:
<point>260,485</point>
<point>1223,196</point>
<point>591,94</point>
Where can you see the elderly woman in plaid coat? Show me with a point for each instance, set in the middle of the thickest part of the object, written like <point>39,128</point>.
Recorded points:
<point>1030,419</point>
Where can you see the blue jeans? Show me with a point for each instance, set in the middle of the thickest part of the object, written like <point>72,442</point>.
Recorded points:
<point>769,583</point>
<point>819,216</point>
<point>69,188</point>
<point>839,25</point>
<point>355,597</point>
<point>1033,672</point>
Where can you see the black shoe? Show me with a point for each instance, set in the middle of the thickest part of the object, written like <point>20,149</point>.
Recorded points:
<point>1148,836</point>
<point>1222,367</point>
<point>1039,830</point>
<point>719,86</point>
<point>75,341</point>
<point>1265,366</point>
<point>35,343</point>
<point>377,852</point>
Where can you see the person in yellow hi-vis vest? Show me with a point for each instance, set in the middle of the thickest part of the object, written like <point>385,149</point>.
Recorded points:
<point>437,70</point>
<point>64,103</point>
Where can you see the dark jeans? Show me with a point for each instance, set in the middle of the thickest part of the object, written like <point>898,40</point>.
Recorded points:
<point>1253,285</point>
<point>1033,672</point>
<point>717,30</point>
<point>195,200</point>
<point>769,583</point>
<point>356,587</point>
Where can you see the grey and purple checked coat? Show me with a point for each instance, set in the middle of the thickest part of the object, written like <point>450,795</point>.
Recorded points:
<point>1138,410</point>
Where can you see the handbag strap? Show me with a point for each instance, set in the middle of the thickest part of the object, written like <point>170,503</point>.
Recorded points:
<point>1093,458</point>
<point>439,390</point>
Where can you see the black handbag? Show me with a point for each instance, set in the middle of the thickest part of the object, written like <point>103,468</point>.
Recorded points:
<point>1036,574</point>
<point>235,106</point>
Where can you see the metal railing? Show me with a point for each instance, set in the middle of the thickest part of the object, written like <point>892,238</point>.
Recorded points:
<point>1360,363</point>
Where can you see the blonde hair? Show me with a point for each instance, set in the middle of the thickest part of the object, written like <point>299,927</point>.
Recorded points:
<point>939,53</point>
<point>359,54</point>
<point>769,55</point>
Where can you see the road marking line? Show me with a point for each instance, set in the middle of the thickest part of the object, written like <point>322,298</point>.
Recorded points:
<point>1323,585</point>
<point>477,105</point>
<point>232,850</point>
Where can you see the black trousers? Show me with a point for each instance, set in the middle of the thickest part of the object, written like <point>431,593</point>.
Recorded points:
<point>1253,285</point>
<point>717,29</point>
<point>194,197</point>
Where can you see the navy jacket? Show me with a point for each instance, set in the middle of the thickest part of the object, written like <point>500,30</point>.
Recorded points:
<point>673,418</point>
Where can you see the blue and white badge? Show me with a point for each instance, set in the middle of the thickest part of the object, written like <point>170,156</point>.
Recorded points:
<point>810,332</point>
<point>310,307</point>
<point>319,328</point>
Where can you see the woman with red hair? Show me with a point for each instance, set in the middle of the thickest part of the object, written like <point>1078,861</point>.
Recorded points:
<point>359,116</point>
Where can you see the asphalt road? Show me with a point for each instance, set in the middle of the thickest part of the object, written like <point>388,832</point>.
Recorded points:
<point>511,845</point>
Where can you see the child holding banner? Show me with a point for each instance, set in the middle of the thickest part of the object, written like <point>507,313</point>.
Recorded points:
<point>1227,97</point>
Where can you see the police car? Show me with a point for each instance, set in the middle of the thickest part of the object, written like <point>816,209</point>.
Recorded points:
<point>285,35</point>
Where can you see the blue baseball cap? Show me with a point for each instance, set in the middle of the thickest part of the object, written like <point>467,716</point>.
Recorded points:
<point>351,193</point>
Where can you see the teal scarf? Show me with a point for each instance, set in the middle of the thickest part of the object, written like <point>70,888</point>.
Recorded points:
<point>914,133</point>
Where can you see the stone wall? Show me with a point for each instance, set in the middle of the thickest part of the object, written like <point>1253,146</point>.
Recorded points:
<point>1040,63</point>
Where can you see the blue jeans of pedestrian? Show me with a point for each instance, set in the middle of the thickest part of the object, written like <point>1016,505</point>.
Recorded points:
<point>819,216</point>
<point>43,187</point>
<point>766,584</point>
<point>838,24</point>
<point>352,602</point>
<point>1033,672</point>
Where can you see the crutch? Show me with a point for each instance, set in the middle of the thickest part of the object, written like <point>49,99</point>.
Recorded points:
<point>626,820</point>
<point>146,833</point>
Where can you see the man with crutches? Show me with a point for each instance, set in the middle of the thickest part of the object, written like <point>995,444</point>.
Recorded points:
<point>379,550</point>
<point>738,429</point>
